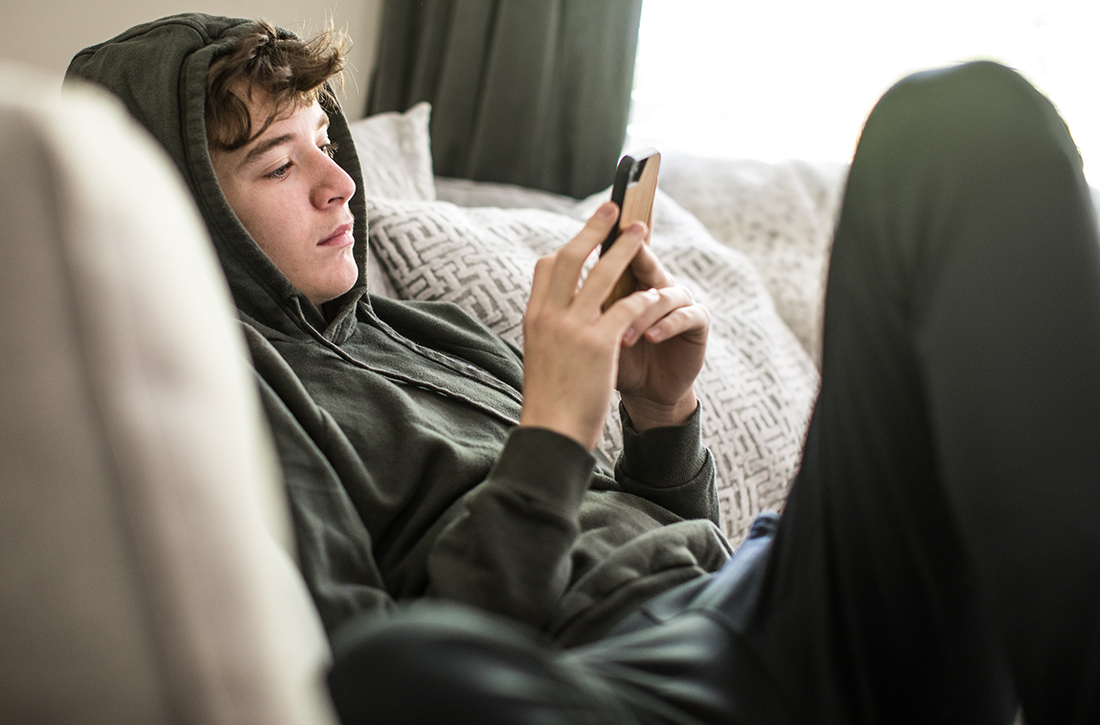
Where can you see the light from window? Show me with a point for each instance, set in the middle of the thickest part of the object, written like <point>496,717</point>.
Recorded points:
<point>796,79</point>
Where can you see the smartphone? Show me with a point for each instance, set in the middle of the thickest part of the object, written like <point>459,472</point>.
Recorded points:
<point>634,189</point>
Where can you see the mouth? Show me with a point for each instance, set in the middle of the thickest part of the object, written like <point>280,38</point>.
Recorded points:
<point>340,237</point>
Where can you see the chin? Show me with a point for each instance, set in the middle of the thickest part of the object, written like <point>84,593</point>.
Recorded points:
<point>337,290</point>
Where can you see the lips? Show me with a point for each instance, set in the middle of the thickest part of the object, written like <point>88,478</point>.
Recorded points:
<point>340,237</point>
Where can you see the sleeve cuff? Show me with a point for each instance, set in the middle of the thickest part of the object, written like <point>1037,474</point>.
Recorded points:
<point>663,457</point>
<point>547,467</point>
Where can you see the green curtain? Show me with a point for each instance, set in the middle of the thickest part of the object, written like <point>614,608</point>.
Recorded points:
<point>528,92</point>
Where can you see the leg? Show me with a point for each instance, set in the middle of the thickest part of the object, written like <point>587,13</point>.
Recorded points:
<point>441,663</point>
<point>944,530</point>
<point>673,664</point>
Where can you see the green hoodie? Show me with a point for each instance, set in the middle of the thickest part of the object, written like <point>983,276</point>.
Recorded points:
<point>395,421</point>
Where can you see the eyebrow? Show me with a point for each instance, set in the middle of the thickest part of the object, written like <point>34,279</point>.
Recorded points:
<point>264,146</point>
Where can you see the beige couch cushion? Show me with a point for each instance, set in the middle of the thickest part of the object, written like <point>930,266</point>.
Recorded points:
<point>143,538</point>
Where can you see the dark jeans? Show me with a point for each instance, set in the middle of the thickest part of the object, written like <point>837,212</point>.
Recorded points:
<point>938,559</point>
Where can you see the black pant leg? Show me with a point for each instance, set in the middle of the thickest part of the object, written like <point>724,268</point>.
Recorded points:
<point>677,662</point>
<point>440,663</point>
<point>941,545</point>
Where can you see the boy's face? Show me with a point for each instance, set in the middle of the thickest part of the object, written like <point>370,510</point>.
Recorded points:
<point>293,199</point>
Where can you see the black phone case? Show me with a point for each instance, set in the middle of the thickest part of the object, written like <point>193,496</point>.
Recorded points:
<point>629,172</point>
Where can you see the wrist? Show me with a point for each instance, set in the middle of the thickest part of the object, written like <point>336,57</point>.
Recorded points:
<point>665,457</point>
<point>586,433</point>
<point>646,414</point>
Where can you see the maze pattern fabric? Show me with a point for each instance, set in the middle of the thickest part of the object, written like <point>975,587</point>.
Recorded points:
<point>757,386</point>
<point>780,215</point>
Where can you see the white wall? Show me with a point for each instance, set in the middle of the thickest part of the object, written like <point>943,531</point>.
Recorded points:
<point>48,33</point>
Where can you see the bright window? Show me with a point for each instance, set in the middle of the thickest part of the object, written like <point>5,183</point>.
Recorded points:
<point>796,78</point>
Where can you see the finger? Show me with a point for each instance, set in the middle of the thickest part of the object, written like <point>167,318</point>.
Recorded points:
<point>619,317</point>
<point>540,284</point>
<point>649,271</point>
<point>569,260</point>
<point>605,273</point>
<point>691,323</point>
<point>668,299</point>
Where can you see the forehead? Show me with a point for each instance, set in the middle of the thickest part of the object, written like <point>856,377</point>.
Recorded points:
<point>286,128</point>
<point>264,113</point>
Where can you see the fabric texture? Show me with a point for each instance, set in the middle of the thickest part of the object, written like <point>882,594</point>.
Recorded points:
<point>534,94</point>
<point>395,421</point>
<point>757,384</point>
<point>780,215</point>
<point>146,548</point>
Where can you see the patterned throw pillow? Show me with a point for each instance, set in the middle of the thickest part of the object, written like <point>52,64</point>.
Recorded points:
<point>781,215</point>
<point>757,385</point>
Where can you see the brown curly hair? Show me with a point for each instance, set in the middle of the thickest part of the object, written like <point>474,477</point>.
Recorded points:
<point>292,73</point>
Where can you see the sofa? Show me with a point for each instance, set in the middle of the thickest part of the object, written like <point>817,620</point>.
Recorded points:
<point>146,555</point>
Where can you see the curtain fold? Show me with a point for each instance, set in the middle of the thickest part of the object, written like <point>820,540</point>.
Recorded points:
<point>528,92</point>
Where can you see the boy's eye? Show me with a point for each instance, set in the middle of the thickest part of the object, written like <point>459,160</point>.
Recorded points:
<point>280,172</point>
<point>330,149</point>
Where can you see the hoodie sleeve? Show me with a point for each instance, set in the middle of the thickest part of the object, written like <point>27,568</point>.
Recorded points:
<point>670,467</point>
<point>509,551</point>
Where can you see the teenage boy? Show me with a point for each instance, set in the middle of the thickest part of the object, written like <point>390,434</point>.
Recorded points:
<point>937,559</point>
<point>415,466</point>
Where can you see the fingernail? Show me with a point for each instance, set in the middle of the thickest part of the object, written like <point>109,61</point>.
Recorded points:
<point>606,210</point>
<point>629,335</point>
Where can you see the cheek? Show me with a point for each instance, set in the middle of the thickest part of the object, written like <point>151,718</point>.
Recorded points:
<point>267,221</point>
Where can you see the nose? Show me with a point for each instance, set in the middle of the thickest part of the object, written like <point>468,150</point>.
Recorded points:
<point>333,187</point>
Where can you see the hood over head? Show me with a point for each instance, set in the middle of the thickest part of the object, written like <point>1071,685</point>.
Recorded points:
<point>159,71</point>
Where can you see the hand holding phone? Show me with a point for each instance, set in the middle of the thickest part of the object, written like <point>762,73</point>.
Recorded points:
<point>633,192</point>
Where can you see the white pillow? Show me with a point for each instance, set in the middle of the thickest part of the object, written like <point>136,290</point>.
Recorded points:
<point>757,386</point>
<point>395,152</point>
<point>466,192</point>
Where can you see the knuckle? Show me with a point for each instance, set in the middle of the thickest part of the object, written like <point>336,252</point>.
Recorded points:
<point>536,319</point>
<point>679,298</point>
<point>679,294</point>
